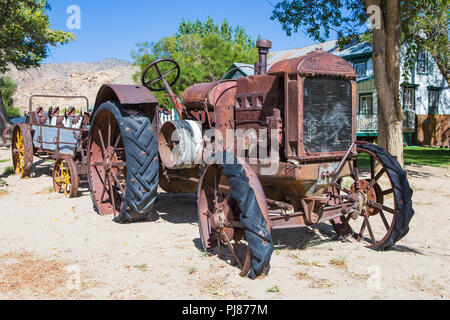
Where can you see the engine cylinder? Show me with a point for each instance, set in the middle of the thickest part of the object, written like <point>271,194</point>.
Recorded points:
<point>181,144</point>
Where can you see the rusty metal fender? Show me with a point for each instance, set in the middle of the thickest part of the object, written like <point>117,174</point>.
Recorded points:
<point>125,94</point>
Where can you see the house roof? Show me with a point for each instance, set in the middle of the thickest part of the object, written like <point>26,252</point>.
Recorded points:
<point>240,70</point>
<point>354,49</point>
<point>275,56</point>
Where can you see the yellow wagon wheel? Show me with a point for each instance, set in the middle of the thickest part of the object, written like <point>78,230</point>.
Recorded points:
<point>65,177</point>
<point>22,150</point>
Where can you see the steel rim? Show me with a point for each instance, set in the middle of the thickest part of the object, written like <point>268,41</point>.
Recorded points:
<point>107,164</point>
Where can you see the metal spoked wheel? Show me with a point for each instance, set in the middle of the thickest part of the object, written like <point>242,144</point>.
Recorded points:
<point>383,206</point>
<point>233,217</point>
<point>218,215</point>
<point>65,177</point>
<point>122,163</point>
<point>22,151</point>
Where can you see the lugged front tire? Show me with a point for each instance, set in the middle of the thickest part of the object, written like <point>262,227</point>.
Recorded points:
<point>123,164</point>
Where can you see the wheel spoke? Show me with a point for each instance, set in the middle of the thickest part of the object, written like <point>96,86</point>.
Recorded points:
<point>102,143</point>
<point>111,192</point>
<point>116,144</point>
<point>366,219</point>
<point>119,164</point>
<point>379,174</point>
<point>118,183</point>
<point>372,167</point>
<point>389,191</point>
<point>103,192</point>
<point>109,130</point>
<point>361,231</point>
<point>383,217</point>
<point>380,206</point>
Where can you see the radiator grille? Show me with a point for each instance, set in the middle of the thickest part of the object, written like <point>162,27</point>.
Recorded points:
<point>327,115</point>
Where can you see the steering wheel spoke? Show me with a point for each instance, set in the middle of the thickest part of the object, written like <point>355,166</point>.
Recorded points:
<point>161,76</point>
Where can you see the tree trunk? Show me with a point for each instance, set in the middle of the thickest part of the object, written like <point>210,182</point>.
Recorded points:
<point>386,64</point>
<point>4,119</point>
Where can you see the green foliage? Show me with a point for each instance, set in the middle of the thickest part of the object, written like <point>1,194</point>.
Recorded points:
<point>204,50</point>
<point>424,24</point>
<point>320,18</point>
<point>426,29</point>
<point>13,112</point>
<point>25,33</point>
<point>7,87</point>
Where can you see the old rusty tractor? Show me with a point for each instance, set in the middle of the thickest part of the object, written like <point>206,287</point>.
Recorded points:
<point>271,151</point>
<point>59,134</point>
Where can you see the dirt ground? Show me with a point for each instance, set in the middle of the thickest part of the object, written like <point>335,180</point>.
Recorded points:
<point>52,247</point>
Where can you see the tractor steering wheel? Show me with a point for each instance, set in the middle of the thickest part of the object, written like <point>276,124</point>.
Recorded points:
<point>162,77</point>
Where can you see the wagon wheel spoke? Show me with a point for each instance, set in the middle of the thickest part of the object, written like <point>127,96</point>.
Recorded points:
<point>389,191</point>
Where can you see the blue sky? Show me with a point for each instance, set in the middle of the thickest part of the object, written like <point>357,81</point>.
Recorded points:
<point>111,28</point>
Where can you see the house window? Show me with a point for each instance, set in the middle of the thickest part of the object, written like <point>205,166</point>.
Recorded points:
<point>409,97</point>
<point>422,62</point>
<point>360,68</point>
<point>365,104</point>
<point>433,101</point>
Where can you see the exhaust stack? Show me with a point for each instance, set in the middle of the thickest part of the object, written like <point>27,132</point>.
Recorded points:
<point>263,46</point>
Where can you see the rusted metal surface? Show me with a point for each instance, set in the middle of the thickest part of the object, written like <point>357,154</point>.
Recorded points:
<point>125,94</point>
<point>219,214</point>
<point>107,164</point>
<point>263,48</point>
<point>315,63</point>
<point>60,135</point>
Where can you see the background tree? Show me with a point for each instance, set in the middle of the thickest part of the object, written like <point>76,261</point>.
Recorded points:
<point>8,88</point>
<point>25,37</point>
<point>347,19</point>
<point>426,29</point>
<point>204,50</point>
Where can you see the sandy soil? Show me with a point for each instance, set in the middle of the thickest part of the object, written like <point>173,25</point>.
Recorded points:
<point>54,247</point>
